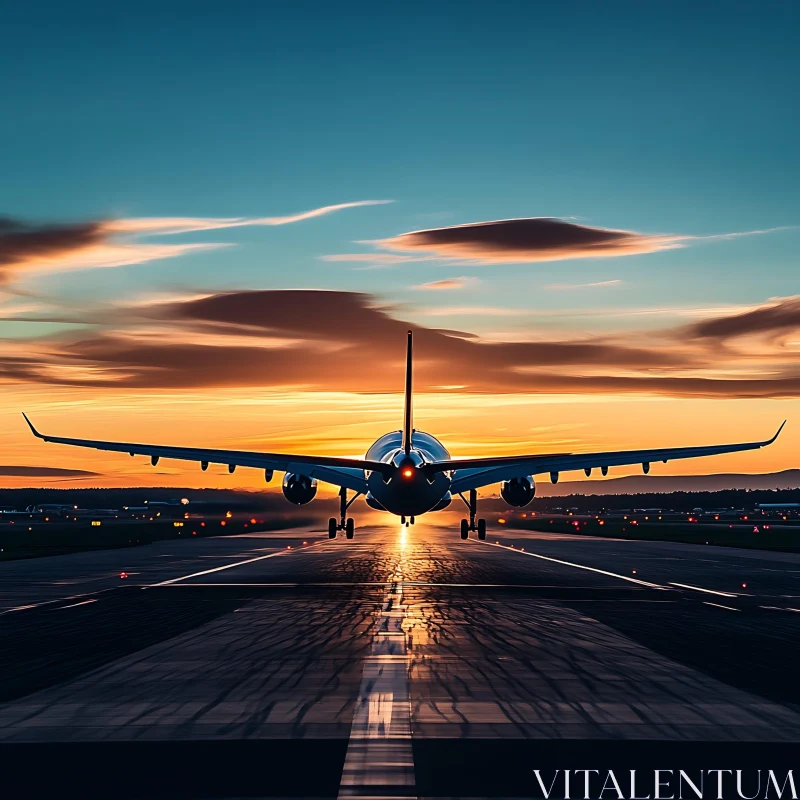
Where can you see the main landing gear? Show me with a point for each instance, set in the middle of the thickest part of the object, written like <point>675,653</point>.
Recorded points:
<point>344,523</point>
<point>404,520</point>
<point>469,525</point>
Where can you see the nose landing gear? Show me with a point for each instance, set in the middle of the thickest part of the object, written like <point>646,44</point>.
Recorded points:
<point>344,523</point>
<point>470,524</point>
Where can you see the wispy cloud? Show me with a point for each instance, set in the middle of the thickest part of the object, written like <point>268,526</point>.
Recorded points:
<point>449,283</point>
<point>171,225</point>
<point>596,284</point>
<point>472,311</point>
<point>117,242</point>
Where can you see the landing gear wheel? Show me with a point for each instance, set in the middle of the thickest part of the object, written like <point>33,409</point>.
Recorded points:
<point>464,529</point>
<point>402,519</point>
<point>411,520</point>
<point>333,526</point>
<point>482,529</point>
<point>349,528</point>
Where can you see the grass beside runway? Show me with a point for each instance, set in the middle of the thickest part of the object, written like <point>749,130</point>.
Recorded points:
<point>37,536</point>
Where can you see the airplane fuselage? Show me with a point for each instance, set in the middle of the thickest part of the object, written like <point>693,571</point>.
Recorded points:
<point>408,491</point>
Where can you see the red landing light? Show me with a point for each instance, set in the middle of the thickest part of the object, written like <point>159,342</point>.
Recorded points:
<point>123,575</point>
<point>408,472</point>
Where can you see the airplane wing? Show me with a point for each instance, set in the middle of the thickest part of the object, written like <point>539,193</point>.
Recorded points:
<point>473,473</point>
<point>347,472</point>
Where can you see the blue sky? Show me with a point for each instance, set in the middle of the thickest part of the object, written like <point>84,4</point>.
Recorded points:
<point>673,117</point>
<point>676,119</point>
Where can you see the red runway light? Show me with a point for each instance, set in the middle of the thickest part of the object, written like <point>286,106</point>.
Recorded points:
<point>123,575</point>
<point>744,586</point>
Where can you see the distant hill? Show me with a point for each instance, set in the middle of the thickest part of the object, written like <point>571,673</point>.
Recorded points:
<point>645,484</point>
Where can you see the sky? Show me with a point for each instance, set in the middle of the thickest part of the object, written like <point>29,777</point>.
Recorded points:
<point>217,221</point>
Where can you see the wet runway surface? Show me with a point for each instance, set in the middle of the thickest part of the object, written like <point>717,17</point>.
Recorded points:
<point>404,663</point>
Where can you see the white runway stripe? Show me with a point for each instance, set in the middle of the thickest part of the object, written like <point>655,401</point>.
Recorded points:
<point>570,564</point>
<point>235,564</point>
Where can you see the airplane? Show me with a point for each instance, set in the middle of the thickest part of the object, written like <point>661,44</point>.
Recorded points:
<point>410,472</point>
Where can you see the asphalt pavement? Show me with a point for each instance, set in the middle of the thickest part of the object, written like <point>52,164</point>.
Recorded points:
<point>404,663</point>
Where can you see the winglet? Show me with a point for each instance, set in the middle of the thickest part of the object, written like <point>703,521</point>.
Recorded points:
<point>30,425</point>
<point>770,441</point>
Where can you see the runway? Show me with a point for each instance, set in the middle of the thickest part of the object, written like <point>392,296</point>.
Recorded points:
<point>404,663</point>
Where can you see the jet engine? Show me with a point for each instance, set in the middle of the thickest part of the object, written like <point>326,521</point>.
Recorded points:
<point>299,489</point>
<point>518,491</point>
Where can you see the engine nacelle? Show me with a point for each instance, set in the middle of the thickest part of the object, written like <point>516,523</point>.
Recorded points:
<point>518,492</point>
<point>299,489</point>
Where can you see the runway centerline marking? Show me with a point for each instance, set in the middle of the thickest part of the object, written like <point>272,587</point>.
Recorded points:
<point>379,762</point>
<point>571,564</point>
<point>701,589</point>
<point>235,564</point>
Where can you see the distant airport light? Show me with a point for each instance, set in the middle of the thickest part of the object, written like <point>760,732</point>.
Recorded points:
<point>633,571</point>
<point>222,522</point>
<point>177,524</point>
<point>95,523</point>
<point>123,575</point>
<point>253,521</point>
<point>744,586</point>
<point>501,521</point>
<point>228,515</point>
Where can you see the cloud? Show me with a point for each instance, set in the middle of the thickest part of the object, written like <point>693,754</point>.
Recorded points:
<point>781,314</point>
<point>117,242</point>
<point>473,311</point>
<point>527,240</point>
<point>595,285</point>
<point>534,239</point>
<point>448,283</point>
<point>170,225</point>
<point>295,340</point>
<point>45,472</point>
<point>22,243</point>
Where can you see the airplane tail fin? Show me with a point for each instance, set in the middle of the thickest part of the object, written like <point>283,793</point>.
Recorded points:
<point>408,429</point>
